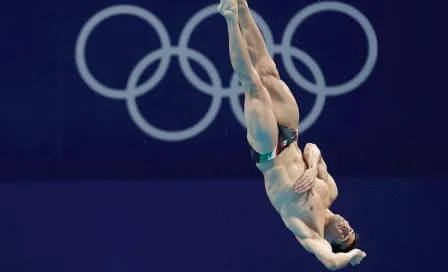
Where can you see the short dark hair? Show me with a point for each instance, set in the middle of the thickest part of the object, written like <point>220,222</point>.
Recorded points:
<point>336,248</point>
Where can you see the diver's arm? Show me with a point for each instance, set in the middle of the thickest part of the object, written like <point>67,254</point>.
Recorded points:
<point>322,250</point>
<point>320,247</point>
<point>313,157</point>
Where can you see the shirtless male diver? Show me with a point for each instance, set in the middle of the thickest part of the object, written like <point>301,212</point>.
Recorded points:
<point>298,186</point>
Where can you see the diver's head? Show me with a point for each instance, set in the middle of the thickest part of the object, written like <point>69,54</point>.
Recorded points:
<point>340,235</point>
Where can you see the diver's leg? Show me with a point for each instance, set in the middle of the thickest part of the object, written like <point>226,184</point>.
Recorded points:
<point>238,51</point>
<point>284,104</point>
<point>256,45</point>
<point>261,124</point>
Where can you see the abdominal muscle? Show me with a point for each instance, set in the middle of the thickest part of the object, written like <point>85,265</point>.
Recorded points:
<point>281,175</point>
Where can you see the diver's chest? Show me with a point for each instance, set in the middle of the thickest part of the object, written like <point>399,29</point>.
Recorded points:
<point>312,213</point>
<point>312,206</point>
<point>321,191</point>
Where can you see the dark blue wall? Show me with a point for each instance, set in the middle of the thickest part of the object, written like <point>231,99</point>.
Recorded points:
<point>58,127</point>
<point>87,186</point>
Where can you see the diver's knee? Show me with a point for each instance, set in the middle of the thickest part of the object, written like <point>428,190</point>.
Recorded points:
<point>267,67</point>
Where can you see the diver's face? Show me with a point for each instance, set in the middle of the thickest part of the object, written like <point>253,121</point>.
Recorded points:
<point>339,230</point>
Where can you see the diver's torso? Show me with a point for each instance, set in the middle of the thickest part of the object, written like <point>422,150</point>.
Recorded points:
<point>282,173</point>
<point>280,177</point>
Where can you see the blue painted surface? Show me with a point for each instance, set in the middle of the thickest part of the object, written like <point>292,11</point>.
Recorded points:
<point>208,225</point>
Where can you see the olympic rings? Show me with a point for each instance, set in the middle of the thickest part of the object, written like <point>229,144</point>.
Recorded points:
<point>216,88</point>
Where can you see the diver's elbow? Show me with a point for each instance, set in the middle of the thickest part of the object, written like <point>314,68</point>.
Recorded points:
<point>333,196</point>
<point>331,264</point>
<point>332,267</point>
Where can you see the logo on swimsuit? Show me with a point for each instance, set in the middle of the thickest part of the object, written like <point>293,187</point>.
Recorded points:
<point>216,89</point>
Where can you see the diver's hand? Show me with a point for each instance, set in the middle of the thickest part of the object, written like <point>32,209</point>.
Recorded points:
<point>359,255</point>
<point>306,182</point>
